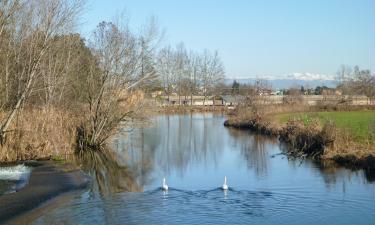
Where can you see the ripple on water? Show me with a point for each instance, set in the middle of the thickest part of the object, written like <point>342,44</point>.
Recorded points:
<point>215,206</point>
<point>195,152</point>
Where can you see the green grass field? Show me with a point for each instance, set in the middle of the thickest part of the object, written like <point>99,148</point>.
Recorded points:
<point>360,123</point>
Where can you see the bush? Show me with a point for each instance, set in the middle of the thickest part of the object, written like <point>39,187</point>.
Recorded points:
<point>308,138</point>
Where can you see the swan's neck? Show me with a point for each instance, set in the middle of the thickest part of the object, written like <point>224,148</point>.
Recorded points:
<point>164,182</point>
<point>225,180</point>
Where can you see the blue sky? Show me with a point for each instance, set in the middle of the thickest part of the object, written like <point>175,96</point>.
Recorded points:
<point>261,37</point>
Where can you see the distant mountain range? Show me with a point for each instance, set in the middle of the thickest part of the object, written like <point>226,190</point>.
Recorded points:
<point>308,80</point>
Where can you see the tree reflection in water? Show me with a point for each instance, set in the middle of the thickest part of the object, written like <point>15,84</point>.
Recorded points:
<point>265,185</point>
<point>333,173</point>
<point>254,149</point>
<point>176,144</point>
<point>108,174</point>
<point>173,143</point>
<point>330,171</point>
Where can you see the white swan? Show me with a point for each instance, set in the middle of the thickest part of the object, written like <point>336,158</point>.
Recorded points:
<point>225,186</point>
<point>165,186</point>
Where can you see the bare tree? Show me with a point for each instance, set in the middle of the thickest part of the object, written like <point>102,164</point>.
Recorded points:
<point>363,82</point>
<point>189,74</point>
<point>8,9</point>
<point>47,68</point>
<point>31,27</point>
<point>211,72</point>
<point>149,41</point>
<point>193,71</point>
<point>344,76</point>
<point>165,68</point>
<point>356,81</point>
<point>120,67</point>
<point>181,60</point>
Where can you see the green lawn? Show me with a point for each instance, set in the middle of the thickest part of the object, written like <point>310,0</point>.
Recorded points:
<point>360,123</point>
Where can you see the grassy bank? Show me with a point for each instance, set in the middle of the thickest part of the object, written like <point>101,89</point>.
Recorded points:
<point>346,137</point>
<point>360,124</point>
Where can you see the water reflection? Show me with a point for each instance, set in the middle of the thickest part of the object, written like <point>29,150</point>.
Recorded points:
<point>108,174</point>
<point>190,148</point>
<point>173,143</point>
<point>333,173</point>
<point>370,175</point>
<point>194,153</point>
<point>253,148</point>
<point>330,171</point>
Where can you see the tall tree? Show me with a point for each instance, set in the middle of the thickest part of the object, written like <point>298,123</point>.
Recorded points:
<point>31,26</point>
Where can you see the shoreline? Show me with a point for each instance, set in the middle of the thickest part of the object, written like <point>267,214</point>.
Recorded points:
<point>178,109</point>
<point>305,143</point>
<point>47,181</point>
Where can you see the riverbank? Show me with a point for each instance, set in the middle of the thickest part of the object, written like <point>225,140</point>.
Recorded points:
<point>181,109</point>
<point>47,181</point>
<point>308,135</point>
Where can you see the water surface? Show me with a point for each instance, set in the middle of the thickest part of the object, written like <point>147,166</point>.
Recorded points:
<point>13,178</point>
<point>194,153</point>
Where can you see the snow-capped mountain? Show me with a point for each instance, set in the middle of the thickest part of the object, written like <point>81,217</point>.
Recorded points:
<point>308,80</point>
<point>310,76</point>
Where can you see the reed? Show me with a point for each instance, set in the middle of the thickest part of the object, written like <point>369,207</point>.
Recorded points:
<point>40,133</point>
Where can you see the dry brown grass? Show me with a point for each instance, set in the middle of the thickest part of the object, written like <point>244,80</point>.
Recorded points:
<point>48,132</point>
<point>243,113</point>
<point>308,137</point>
<point>345,145</point>
<point>40,133</point>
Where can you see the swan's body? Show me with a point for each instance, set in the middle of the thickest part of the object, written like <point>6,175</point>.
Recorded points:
<point>225,186</point>
<point>165,186</point>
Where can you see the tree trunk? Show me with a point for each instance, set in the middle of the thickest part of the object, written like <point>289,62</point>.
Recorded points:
<point>4,127</point>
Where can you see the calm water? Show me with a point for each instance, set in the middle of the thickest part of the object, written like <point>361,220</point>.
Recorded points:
<point>194,153</point>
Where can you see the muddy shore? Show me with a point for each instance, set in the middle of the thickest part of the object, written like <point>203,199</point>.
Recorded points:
<point>47,181</point>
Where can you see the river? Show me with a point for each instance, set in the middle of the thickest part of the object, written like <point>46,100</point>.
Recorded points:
<point>194,153</point>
